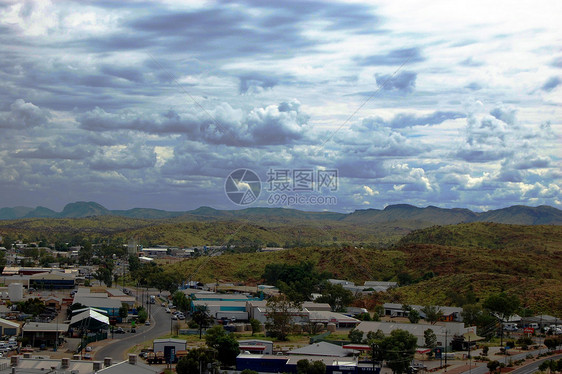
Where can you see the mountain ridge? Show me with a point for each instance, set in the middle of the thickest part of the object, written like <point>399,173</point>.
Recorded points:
<point>430,215</point>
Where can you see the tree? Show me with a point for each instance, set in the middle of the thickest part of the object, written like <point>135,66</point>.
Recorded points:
<point>142,316</point>
<point>503,306</point>
<point>124,311</point>
<point>414,316</point>
<point>398,350</point>
<point>471,313</point>
<point>224,343</point>
<point>134,263</point>
<point>181,301</point>
<point>31,306</point>
<point>306,367</point>
<point>201,317</point>
<point>195,361</point>
<point>432,313</point>
<point>430,338</point>
<point>255,324</point>
<point>493,365</point>
<point>356,336</point>
<point>337,296</point>
<point>280,316</point>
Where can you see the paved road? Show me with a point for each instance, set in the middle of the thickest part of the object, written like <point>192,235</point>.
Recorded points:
<point>528,369</point>
<point>117,347</point>
<point>531,368</point>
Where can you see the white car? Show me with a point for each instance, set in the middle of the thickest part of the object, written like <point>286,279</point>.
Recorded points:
<point>168,310</point>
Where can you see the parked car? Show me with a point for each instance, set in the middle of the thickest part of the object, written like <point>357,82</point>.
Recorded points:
<point>119,330</point>
<point>87,356</point>
<point>88,349</point>
<point>147,323</point>
<point>168,310</point>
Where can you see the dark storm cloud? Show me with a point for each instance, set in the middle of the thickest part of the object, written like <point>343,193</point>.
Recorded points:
<point>394,57</point>
<point>403,82</point>
<point>551,84</point>
<point>23,115</point>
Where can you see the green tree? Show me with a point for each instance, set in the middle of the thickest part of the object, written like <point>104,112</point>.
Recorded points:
<point>430,338</point>
<point>224,343</point>
<point>414,316</point>
<point>142,316</point>
<point>335,295</point>
<point>493,365</point>
<point>31,306</point>
<point>304,366</point>
<point>356,336</point>
<point>432,313</point>
<point>280,316</point>
<point>124,311</point>
<point>471,313</point>
<point>181,301</point>
<point>134,263</point>
<point>201,317</point>
<point>255,324</point>
<point>503,306</point>
<point>398,350</point>
<point>195,360</point>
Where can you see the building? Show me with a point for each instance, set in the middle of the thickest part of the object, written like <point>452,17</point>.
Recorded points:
<point>47,334</point>
<point>9,328</point>
<point>154,252</point>
<point>54,280</point>
<point>98,300</point>
<point>131,366</point>
<point>443,330</point>
<point>256,346</point>
<point>288,364</point>
<point>170,347</point>
<point>448,313</point>
<point>322,349</point>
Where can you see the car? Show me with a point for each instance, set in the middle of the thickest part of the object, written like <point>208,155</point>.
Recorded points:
<point>147,323</point>
<point>119,330</point>
<point>174,317</point>
<point>164,305</point>
<point>168,310</point>
<point>180,316</point>
<point>88,349</point>
<point>87,356</point>
<point>133,331</point>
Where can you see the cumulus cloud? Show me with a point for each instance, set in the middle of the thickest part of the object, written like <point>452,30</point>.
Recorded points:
<point>403,82</point>
<point>23,115</point>
<point>256,82</point>
<point>134,156</point>
<point>274,124</point>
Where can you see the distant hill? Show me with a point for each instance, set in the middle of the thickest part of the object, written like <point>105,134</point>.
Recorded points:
<point>404,215</point>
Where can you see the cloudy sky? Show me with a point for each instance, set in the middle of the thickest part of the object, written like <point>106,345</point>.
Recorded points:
<point>154,104</point>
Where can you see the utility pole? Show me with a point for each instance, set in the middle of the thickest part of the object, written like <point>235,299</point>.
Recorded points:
<point>445,353</point>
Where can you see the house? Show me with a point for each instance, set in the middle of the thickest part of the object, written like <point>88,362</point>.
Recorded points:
<point>52,301</point>
<point>98,300</point>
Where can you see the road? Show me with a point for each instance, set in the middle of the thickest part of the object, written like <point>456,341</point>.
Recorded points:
<point>531,368</point>
<point>117,347</point>
<point>528,369</point>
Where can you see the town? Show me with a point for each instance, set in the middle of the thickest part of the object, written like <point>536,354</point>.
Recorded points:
<point>66,317</point>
